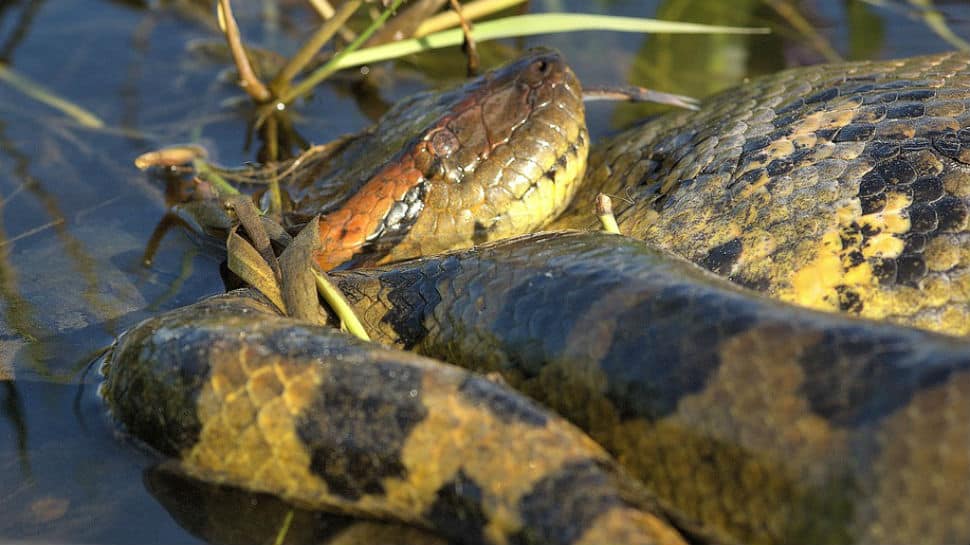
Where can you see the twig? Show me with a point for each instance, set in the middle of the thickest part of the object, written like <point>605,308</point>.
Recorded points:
<point>247,78</point>
<point>470,49</point>
<point>333,64</point>
<point>633,93</point>
<point>324,9</point>
<point>309,50</point>
<point>471,10</point>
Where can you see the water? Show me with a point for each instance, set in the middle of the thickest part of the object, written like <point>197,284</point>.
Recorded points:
<point>75,214</point>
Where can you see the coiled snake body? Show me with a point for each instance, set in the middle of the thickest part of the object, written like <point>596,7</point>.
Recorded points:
<point>841,187</point>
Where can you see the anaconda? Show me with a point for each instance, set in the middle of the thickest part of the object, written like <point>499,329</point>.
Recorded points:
<point>754,428</point>
<point>495,157</point>
<point>247,397</point>
<point>767,423</point>
<point>838,187</point>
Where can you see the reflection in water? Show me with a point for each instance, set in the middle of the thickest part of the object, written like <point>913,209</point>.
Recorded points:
<point>20,314</point>
<point>12,409</point>
<point>696,66</point>
<point>225,515</point>
<point>867,31</point>
<point>20,29</point>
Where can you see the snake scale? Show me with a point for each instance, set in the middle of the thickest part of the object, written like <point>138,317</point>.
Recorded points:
<point>713,413</point>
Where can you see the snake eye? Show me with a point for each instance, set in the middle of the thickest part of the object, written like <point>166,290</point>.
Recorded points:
<point>538,71</point>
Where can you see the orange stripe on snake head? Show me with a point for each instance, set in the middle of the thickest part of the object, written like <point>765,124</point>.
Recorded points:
<point>364,217</point>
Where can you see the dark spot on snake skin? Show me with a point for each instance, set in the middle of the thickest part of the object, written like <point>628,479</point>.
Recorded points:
<point>897,172</point>
<point>755,144</point>
<point>823,96</point>
<point>855,258</point>
<point>758,157</point>
<point>361,408</point>
<point>927,189</point>
<point>910,269</point>
<point>905,190</point>
<point>898,84</point>
<point>849,300</point>
<point>480,232</point>
<point>875,374</point>
<point>917,94</point>
<point>790,107</point>
<point>782,126</point>
<point>952,214</point>
<point>759,283</point>
<point>458,506</point>
<point>886,98</point>
<point>948,145</point>
<point>880,150</point>
<point>721,258</point>
<point>869,231</point>
<point>784,165</point>
<point>826,134</point>
<point>964,135</point>
<point>166,373</point>
<point>747,178</point>
<point>915,243</point>
<point>413,296</point>
<point>849,235</point>
<point>872,114</point>
<point>561,506</point>
<point>906,111</point>
<point>780,166</point>
<point>857,89</point>
<point>873,203</point>
<point>855,132</point>
<point>885,271</point>
<point>726,166</point>
<point>918,143</point>
<point>527,351</point>
<point>871,184</point>
<point>922,218</point>
<point>485,393</point>
<point>676,367</point>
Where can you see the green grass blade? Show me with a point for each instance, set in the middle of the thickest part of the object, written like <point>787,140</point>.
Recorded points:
<point>333,64</point>
<point>527,25</point>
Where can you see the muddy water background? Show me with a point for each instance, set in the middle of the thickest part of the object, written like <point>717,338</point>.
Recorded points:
<point>75,214</point>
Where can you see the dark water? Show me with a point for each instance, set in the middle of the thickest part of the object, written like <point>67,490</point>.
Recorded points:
<point>75,214</point>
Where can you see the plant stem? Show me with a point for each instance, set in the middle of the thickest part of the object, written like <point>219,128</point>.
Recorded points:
<point>247,78</point>
<point>281,82</point>
<point>471,11</point>
<point>332,65</point>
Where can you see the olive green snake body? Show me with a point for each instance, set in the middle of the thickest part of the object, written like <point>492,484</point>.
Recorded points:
<point>742,419</point>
